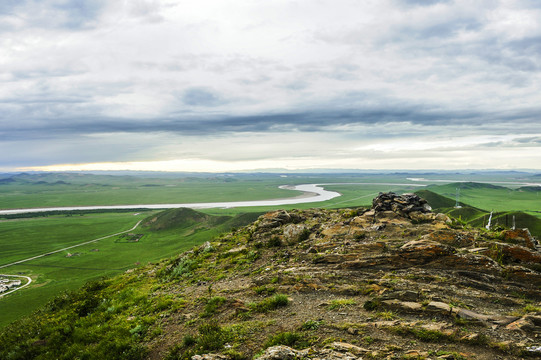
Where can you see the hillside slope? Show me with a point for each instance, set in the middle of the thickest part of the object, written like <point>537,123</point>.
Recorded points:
<point>393,282</point>
<point>478,217</point>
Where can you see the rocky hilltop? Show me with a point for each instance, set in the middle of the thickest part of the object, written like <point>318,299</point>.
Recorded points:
<point>396,281</point>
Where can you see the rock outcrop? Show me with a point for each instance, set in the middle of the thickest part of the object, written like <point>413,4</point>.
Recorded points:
<point>393,281</point>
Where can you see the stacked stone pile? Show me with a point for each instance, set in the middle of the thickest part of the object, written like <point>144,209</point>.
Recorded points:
<point>402,204</point>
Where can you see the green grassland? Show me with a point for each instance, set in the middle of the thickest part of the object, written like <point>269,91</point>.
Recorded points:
<point>493,197</point>
<point>89,190</point>
<point>24,238</point>
<point>179,230</point>
<point>67,189</point>
<point>525,213</point>
<point>55,190</point>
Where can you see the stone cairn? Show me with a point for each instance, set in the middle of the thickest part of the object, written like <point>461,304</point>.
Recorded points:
<point>404,204</point>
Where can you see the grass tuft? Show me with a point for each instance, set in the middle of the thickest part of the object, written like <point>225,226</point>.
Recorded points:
<point>341,303</point>
<point>272,303</point>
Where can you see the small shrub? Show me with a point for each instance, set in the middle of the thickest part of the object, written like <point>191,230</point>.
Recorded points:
<point>139,330</point>
<point>366,290</point>
<point>163,304</point>
<point>368,340</point>
<point>422,334</point>
<point>371,304</point>
<point>87,306</point>
<point>272,303</point>
<point>184,268</point>
<point>235,355</point>
<point>253,256</point>
<point>212,305</point>
<point>428,335</point>
<point>386,315</point>
<point>265,290</point>
<point>274,242</point>
<point>531,309</point>
<point>461,321</point>
<point>188,340</point>
<point>212,337</point>
<point>311,325</point>
<point>304,235</point>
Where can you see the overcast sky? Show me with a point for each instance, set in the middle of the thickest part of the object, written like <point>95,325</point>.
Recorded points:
<point>220,85</point>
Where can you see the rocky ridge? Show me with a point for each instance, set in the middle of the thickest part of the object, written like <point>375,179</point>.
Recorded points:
<point>396,281</point>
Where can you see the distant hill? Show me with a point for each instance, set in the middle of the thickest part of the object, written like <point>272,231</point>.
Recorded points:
<point>505,219</point>
<point>446,205</point>
<point>476,185</point>
<point>8,180</point>
<point>529,188</point>
<point>466,213</point>
<point>479,217</point>
<point>175,219</point>
<point>436,201</point>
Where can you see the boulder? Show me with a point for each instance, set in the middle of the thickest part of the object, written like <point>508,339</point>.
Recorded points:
<point>275,219</point>
<point>520,237</point>
<point>423,251</point>
<point>404,306</point>
<point>293,233</point>
<point>527,323</point>
<point>438,307</point>
<point>512,253</point>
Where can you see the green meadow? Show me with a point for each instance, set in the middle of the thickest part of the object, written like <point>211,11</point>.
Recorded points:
<point>494,197</point>
<point>139,191</point>
<point>68,270</point>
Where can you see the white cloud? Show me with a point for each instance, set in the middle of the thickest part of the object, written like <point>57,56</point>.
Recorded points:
<point>387,77</point>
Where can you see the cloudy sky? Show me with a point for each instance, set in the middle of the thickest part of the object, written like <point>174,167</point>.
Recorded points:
<point>220,85</point>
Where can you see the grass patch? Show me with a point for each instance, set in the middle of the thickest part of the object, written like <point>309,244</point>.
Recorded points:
<point>311,325</point>
<point>212,306</point>
<point>372,304</point>
<point>269,304</point>
<point>422,334</point>
<point>273,242</point>
<point>341,303</point>
<point>184,268</point>
<point>386,315</point>
<point>265,290</point>
<point>531,309</point>
<point>211,337</point>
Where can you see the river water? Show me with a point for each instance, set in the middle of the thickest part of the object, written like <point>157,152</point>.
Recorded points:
<point>312,193</point>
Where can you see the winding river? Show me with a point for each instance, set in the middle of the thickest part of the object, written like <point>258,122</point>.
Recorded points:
<point>311,193</point>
